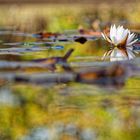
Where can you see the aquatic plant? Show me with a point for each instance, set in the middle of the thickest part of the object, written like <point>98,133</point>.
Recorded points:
<point>121,41</point>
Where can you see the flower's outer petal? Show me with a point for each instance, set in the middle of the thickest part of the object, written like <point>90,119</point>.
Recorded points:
<point>103,35</point>
<point>107,53</point>
<point>137,52</point>
<point>125,33</point>
<point>130,48</point>
<point>131,55</point>
<point>107,38</point>
<point>131,43</point>
<point>130,38</point>
<point>104,56</point>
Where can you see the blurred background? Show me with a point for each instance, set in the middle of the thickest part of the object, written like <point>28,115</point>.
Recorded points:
<point>68,111</point>
<point>63,15</point>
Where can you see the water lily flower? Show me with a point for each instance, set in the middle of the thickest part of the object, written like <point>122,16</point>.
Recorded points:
<point>121,41</point>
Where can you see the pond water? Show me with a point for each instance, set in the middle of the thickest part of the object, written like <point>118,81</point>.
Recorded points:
<point>41,101</point>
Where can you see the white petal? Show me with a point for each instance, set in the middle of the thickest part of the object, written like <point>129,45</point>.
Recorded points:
<point>120,34</point>
<point>125,33</point>
<point>131,55</point>
<point>117,55</point>
<point>104,56</point>
<point>112,33</point>
<point>137,52</point>
<point>103,36</point>
<point>131,43</point>
<point>130,48</point>
<point>130,38</point>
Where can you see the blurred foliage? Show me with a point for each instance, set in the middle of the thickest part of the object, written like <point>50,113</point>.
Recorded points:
<point>73,111</point>
<point>55,18</point>
<point>107,115</point>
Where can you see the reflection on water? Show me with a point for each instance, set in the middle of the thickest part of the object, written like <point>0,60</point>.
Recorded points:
<point>73,111</point>
<point>41,99</point>
<point>61,131</point>
<point>65,111</point>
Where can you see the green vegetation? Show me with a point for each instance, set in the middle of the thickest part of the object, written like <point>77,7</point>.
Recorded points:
<point>69,111</point>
